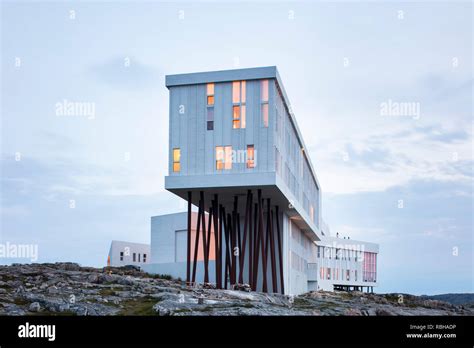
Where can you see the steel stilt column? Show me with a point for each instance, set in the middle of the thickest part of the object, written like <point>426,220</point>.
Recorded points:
<point>188,251</point>
<point>280,253</point>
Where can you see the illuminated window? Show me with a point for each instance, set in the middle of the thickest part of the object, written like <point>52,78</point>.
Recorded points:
<point>250,156</point>
<point>236,116</point>
<point>210,94</point>
<point>223,157</point>
<point>238,102</point>
<point>264,91</point>
<point>210,118</point>
<point>176,160</point>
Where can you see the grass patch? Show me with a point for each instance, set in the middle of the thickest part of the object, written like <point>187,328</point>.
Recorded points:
<point>19,301</point>
<point>107,292</point>
<point>142,306</point>
<point>161,276</point>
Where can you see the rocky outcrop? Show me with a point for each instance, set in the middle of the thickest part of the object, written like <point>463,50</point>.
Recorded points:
<point>69,289</point>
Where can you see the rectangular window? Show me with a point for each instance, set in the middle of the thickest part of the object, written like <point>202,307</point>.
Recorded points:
<point>265,114</point>
<point>210,94</point>
<point>311,212</point>
<point>250,156</point>
<point>236,92</point>
<point>238,104</point>
<point>134,257</point>
<point>264,91</point>
<point>223,157</point>
<point>210,118</point>
<point>228,157</point>
<point>220,156</point>
<point>176,160</point>
<point>236,116</point>
<point>121,256</point>
<point>144,257</point>
<point>139,257</point>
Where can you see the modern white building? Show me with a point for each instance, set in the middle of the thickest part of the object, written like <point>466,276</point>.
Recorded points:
<point>127,253</point>
<point>236,153</point>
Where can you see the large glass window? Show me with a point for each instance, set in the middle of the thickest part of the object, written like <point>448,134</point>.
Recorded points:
<point>369,268</point>
<point>223,157</point>
<point>176,160</point>
<point>238,104</point>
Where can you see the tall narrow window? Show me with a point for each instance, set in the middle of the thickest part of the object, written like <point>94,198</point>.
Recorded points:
<point>238,104</point>
<point>121,256</point>
<point>264,90</point>
<point>228,157</point>
<point>265,114</point>
<point>139,257</point>
<point>134,257</point>
<point>210,118</point>
<point>210,94</point>
<point>223,157</point>
<point>264,101</point>
<point>144,258</point>
<point>219,157</point>
<point>236,116</point>
<point>210,106</point>
<point>176,160</point>
<point>250,156</point>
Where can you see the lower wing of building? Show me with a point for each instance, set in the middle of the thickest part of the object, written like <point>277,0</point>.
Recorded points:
<point>296,265</point>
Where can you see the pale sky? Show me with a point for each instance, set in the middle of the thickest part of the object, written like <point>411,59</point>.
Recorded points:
<point>339,63</point>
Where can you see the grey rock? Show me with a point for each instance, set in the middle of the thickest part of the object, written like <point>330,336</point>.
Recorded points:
<point>34,307</point>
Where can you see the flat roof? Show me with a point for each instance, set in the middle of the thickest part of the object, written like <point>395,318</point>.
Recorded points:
<point>267,72</point>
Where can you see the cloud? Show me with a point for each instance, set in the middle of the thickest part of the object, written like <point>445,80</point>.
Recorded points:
<point>126,73</point>
<point>438,134</point>
<point>419,238</point>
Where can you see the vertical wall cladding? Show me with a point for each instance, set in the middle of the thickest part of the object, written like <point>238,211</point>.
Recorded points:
<point>188,129</point>
<point>290,162</point>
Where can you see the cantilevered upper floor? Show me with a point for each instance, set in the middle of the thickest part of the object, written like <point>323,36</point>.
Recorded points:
<point>233,130</point>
